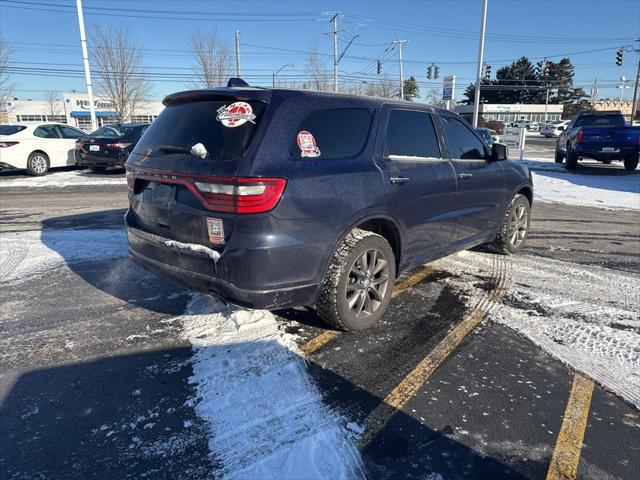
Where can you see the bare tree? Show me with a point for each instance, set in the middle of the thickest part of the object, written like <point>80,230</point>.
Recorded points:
<point>318,72</point>
<point>434,97</point>
<point>52,99</point>
<point>384,86</point>
<point>213,60</point>
<point>7,87</point>
<point>117,59</point>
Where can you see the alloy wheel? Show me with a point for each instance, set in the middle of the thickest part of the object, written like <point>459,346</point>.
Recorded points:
<point>518,226</point>
<point>38,164</point>
<point>367,283</point>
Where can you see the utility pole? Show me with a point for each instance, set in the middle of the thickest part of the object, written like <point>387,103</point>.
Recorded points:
<point>238,53</point>
<point>546,105</point>
<point>622,86</point>
<point>335,31</point>
<point>594,89</point>
<point>400,44</point>
<point>634,104</point>
<point>483,25</point>
<point>87,70</point>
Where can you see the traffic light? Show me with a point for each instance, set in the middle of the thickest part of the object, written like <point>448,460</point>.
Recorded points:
<point>436,71</point>
<point>619,55</point>
<point>487,72</point>
<point>539,69</point>
<point>430,72</point>
<point>379,70</point>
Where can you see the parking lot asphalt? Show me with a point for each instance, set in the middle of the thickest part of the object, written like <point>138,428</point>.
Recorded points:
<point>95,368</point>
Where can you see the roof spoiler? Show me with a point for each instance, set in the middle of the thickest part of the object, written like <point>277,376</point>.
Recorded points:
<point>236,82</point>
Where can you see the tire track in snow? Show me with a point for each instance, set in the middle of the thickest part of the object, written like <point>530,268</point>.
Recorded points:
<point>267,418</point>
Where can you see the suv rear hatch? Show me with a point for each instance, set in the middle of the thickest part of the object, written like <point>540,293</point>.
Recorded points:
<point>182,174</point>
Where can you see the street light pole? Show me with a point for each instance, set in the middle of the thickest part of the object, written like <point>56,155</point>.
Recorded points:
<point>238,53</point>
<point>87,70</point>
<point>483,25</point>
<point>622,86</point>
<point>278,71</point>
<point>400,43</point>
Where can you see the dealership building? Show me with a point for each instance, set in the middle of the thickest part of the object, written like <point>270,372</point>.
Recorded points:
<point>507,113</point>
<point>74,109</point>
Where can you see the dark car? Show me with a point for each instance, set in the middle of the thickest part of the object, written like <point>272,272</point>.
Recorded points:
<point>602,136</point>
<point>109,146</point>
<point>274,198</point>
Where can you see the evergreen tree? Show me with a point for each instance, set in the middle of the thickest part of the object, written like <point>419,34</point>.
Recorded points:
<point>411,90</point>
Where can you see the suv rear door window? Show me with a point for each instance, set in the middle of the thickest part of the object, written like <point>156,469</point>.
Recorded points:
<point>411,133</point>
<point>181,126</point>
<point>337,132</point>
<point>461,140</point>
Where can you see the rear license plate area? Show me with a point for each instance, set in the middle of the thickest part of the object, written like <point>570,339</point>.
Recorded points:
<point>610,150</point>
<point>163,198</point>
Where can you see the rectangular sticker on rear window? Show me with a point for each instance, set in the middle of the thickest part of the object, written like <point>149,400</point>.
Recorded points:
<point>216,230</point>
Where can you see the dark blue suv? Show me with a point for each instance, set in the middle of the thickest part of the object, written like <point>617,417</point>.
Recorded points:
<point>274,198</point>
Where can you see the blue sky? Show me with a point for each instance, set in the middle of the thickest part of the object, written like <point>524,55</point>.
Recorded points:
<point>44,34</point>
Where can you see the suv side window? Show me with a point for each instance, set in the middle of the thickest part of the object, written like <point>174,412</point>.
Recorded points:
<point>410,133</point>
<point>461,140</point>
<point>338,132</point>
<point>46,131</point>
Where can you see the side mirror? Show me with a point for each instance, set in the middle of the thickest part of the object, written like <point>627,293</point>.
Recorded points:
<point>561,128</point>
<point>498,152</point>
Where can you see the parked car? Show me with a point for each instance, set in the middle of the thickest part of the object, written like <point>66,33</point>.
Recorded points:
<point>553,129</point>
<point>37,147</point>
<point>488,135</point>
<point>528,124</point>
<point>109,146</point>
<point>602,136</point>
<point>273,198</point>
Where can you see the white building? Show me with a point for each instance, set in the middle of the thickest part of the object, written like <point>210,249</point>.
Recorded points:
<point>73,109</point>
<point>511,112</point>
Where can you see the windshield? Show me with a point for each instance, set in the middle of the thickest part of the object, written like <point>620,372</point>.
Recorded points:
<point>225,128</point>
<point>11,129</point>
<point>485,134</point>
<point>614,120</point>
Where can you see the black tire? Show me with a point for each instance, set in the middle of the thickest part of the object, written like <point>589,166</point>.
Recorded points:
<point>572,160</point>
<point>38,164</point>
<point>505,242</point>
<point>606,162</point>
<point>333,305</point>
<point>559,157</point>
<point>630,162</point>
<point>95,169</point>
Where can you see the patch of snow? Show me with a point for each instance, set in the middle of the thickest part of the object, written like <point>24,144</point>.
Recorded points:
<point>266,416</point>
<point>23,254</point>
<point>213,255</point>
<point>63,179</point>
<point>583,315</point>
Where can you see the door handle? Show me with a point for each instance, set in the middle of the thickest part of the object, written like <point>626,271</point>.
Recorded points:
<point>399,180</point>
<point>465,176</point>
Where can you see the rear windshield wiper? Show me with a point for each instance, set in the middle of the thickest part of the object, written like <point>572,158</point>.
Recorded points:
<point>174,149</point>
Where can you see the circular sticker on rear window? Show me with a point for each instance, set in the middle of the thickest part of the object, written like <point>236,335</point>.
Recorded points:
<point>307,144</point>
<point>236,114</point>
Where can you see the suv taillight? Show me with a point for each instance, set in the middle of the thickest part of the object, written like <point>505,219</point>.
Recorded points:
<point>8,144</point>
<point>580,136</point>
<point>241,195</point>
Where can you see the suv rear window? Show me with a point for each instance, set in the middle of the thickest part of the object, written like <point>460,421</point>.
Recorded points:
<point>338,132</point>
<point>11,129</point>
<point>183,125</point>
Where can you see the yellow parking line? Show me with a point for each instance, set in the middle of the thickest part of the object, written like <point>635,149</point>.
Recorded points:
<point>318,341</point>
<point>410,385</point>
<point>566,456</point>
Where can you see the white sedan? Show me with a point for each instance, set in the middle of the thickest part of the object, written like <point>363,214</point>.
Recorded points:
<point>553,129</point>
<point>37,147</point>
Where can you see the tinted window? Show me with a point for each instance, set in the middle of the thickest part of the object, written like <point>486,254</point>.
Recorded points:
<point>183,125</point>
<point>600,121</point>
<point>133,132</point>
<point>105,132</point>
<point>461,140</point>
<point>338,132</point>
<point>11,129</point>
<point>411,134</point>
<point>46,131</point>
<point>70,132</point>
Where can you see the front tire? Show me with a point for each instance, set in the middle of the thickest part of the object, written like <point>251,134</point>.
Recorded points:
<point>97,169</point>
<point>630,162</point>
<point>358,285</point>
<point>514,230</point>
<point>38,164</point>
<point>559,157</point>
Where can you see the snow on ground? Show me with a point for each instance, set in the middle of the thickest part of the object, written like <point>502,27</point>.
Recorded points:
<point>586,316</point>
<point>64,179</point>
<point>611,190</point>
<point>267,417</point>
<point>23,254</point>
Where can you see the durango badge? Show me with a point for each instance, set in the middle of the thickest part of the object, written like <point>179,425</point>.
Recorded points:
<point>236,114</point>
<point>307,144</point>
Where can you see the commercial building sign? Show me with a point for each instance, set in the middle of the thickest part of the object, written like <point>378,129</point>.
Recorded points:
<point>449,88</point>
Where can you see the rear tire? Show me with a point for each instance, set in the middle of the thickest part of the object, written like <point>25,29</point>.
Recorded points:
<point>97,169</point>
<point>572,160</point>
<point>358,285</point>
<point>630,162</point>
<point>38,164</point>
<point>514,230</point>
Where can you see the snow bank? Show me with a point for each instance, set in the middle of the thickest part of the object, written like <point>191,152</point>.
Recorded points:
<point>35,252</point>
<point>266,416</point>
<point>63,179</point>
<point>586,316</point>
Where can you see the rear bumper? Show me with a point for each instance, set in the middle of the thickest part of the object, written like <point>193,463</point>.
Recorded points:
<point>187,268</point>
<point>597,154</point>
<point>88,160</point>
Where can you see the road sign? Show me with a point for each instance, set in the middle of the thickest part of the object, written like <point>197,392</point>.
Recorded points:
<point>514,138</point>
<point>449,88</point>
